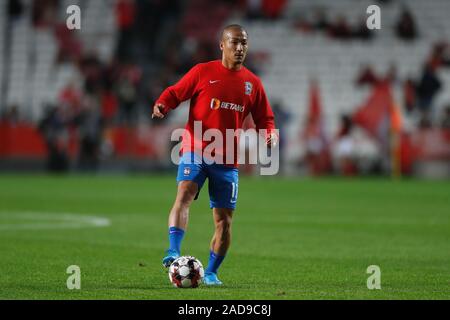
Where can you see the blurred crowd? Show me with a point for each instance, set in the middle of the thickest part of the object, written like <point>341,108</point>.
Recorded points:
<point>158,41</point>
<point>110,92</point>
<point>340,153</point>
<point>419,93</point>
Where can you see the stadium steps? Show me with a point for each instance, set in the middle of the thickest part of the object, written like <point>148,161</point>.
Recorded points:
<point>34,78</point>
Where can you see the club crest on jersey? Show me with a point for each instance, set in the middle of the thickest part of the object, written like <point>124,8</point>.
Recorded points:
<point>248,88</point>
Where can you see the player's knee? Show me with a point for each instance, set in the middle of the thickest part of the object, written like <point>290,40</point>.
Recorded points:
<point>186,194</point>
<point>223,225</point>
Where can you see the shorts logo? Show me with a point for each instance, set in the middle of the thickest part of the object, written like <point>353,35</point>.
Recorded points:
<point>248,88</point>
<point>187,171</point>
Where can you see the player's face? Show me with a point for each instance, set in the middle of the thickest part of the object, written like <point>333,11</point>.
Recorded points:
<point>234,46</point>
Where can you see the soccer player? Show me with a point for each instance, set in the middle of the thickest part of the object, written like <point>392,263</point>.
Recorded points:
<point>222,94</point>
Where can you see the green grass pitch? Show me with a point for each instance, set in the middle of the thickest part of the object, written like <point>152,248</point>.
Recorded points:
<point>292,238</point>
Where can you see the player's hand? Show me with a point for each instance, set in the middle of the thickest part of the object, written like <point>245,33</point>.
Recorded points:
<point>157,111</point>
<point>272,140</point>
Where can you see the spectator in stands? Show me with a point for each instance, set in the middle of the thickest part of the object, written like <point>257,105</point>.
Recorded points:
<point>70,99</point>
<point>149,19</point>
<point>440,55</point>
<point>254,9</point>
<point>54,129</point>
<point>344,148</point>
<point>429,85</point>
<point>445,124</point>
<point>367,76</point>
<point>110,73</point>
<point>409,94</point>
<point>69,46</point>
<point>15,9</point>
<point>321,22</point>
<point>90,132</point>
<point>45,13</point>
<point>92,70</point>
<point>361,31</point>
<point>444,52</point>
<point>340,29</point>
<point>127,92</point>
<point>125,18</point>
<point>273,9</point>
<point>406,27</point>
<point>109,106</point>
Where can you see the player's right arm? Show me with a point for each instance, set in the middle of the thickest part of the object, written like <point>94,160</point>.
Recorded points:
<point>183,90</point>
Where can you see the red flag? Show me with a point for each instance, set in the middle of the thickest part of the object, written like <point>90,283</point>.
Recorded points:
<point>317,148</point>
<point>314,123</point>
<point>374,114</point>
<point>381,117</point>
<point>396,139</point>
<point>315,108</point>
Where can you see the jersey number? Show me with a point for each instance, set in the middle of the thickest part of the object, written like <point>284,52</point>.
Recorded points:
<point>234,192</point>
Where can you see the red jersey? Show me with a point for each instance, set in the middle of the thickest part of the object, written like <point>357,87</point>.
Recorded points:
<point>221,99</point>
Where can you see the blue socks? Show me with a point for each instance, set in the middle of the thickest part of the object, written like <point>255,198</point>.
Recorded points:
<point>175,237</point>
<point>214,262</point>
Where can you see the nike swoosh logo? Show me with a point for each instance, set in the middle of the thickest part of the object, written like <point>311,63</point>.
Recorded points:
<point>211,81</point>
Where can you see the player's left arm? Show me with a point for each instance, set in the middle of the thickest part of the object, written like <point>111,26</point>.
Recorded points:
<point>263,116</point>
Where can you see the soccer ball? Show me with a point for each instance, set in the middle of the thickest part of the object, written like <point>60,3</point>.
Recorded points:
<point>186,272</point>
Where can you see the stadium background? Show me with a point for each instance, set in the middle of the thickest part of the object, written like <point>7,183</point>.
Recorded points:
<point>81,100</point>
<point>349,102</point>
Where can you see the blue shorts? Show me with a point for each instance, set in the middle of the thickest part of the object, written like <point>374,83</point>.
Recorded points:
<point>223,181</point>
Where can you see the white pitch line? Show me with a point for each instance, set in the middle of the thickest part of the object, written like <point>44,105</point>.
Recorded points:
<point>52,221</point>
